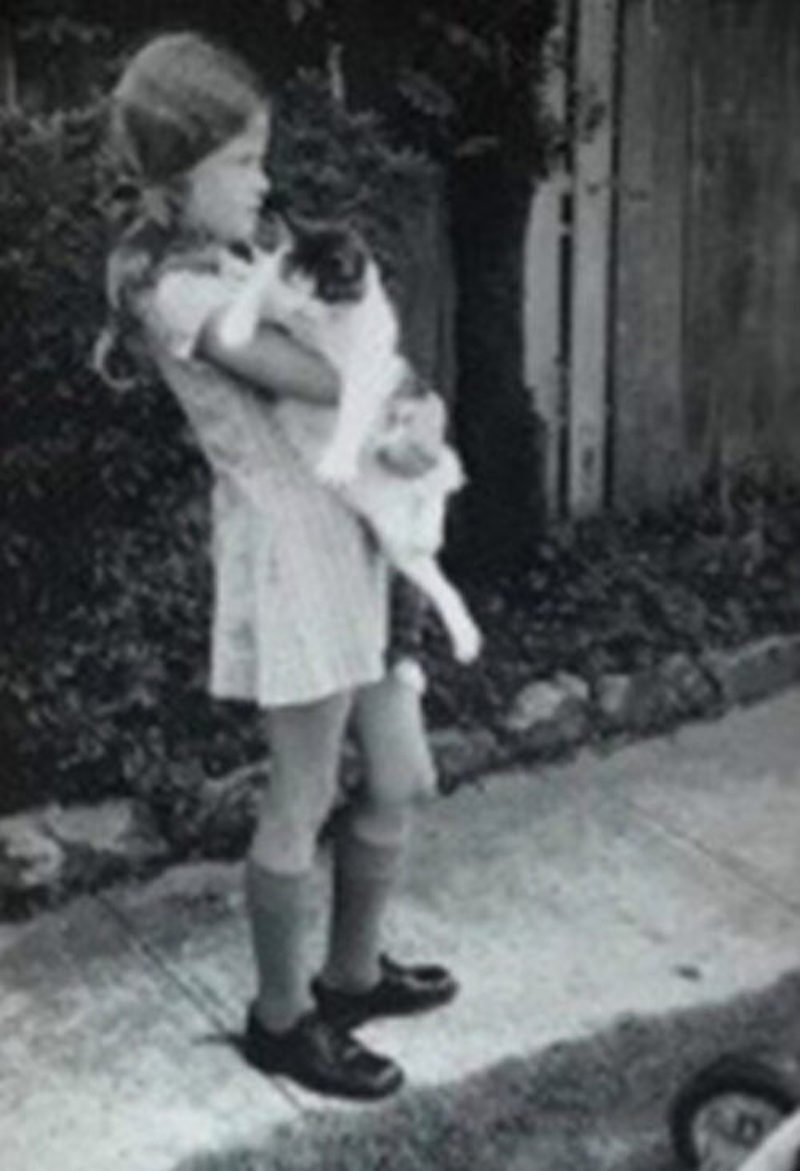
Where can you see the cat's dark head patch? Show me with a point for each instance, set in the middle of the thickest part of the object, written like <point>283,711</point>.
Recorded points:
<point>332,256</point>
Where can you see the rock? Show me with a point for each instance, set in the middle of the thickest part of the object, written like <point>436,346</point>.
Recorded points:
<point>232,810</point>
<point>538,703</point>
<point>687,688</point>
<point>32,863</point>
<point>654,700</point>
<point>460,753</point>
<point>614,698</point>
<point>214,818</point>
<point>96,827</point>
<point>114,839</point>
<point>757,669</point>
<point>549,716</point>
<point>197,814</point>
<point>573,685</point>
<point>649,709</point>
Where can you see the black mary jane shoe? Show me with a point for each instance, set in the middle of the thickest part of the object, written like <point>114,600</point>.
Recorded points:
<point>322,1056</point>
<point>401,990</point>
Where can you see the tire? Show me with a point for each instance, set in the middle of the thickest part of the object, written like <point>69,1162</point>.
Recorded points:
<point>735,1073</point>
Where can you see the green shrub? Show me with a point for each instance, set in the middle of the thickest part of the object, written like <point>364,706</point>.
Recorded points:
<point>74,454</point>
<point>52,242</point>
<point>325,161</point>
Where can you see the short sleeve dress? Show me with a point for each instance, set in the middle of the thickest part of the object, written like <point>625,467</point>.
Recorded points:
<point>300,588</point>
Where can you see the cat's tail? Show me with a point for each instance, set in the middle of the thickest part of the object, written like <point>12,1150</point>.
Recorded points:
<point>465,637</point>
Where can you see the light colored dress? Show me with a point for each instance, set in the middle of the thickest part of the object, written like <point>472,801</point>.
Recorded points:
<point>300,598</point>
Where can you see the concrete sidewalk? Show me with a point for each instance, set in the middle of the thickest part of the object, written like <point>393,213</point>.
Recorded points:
<point>663,875</point>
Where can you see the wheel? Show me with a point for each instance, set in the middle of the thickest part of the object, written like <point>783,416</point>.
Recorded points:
<point>727,1108</point>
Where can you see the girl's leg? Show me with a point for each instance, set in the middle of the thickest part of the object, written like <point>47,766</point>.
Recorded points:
<point>371,842</point>
<point>305,745</point>
<point>283,1034</point>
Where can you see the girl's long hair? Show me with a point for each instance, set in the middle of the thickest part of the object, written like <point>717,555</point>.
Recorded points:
<point>179,99</point>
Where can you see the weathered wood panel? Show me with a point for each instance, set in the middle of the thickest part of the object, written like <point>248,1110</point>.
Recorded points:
<point>706,365</point>
<point>785,428</point>
<point>702,253</point>
<point>647,367</point>
<point>546,242</point>
<point>779,132</point>
<point>591,255</point>
<point>743,284</point>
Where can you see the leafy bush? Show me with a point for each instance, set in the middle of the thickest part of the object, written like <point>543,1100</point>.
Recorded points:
<point>326,161</point>
<point>52,243</point>
<point>619,594</point>
<point>74,455</point>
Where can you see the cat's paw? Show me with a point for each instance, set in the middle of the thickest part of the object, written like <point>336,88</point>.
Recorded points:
<point>241,319</point>
<point>238,328</point>
<point>337,471</point>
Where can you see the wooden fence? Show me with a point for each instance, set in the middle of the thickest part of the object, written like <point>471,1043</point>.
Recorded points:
<point>663,261</point>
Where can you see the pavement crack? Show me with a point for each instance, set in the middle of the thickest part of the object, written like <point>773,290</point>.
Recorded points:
<point>203,1002</point>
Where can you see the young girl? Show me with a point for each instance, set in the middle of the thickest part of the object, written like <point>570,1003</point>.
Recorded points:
<point>300,611</point>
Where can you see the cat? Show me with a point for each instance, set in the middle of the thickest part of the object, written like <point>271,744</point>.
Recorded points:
<point>323,286</point>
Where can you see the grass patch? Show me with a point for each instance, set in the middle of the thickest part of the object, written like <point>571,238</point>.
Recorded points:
<point>592,1105</point>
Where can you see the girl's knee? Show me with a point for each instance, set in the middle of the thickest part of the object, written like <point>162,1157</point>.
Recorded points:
<point>283,847</point>
<point>406,780</point>
<point>410,782</point>
<point>425,778</point>
<point>381,823</point>
<point>410,777</point>
<point>288,856</point>
<point>305,743</point>
<point>288,826</point>
<point>391,728</point>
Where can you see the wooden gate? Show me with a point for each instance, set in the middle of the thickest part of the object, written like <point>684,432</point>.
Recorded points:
<point>663,259</point>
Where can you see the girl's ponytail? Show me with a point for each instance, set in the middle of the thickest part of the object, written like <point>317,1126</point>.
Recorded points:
<point>179,99</point>
<point>118,357</point>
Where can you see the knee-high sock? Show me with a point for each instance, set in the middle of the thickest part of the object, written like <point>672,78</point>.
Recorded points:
<point>365,875</point>
<point>278,909</point>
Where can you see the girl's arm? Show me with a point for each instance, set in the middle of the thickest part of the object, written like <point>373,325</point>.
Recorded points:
<point>273,361</point>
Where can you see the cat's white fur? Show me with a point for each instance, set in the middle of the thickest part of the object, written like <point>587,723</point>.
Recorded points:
<point>360,340</point>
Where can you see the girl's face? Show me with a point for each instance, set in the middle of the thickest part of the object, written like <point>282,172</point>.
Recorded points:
<point>226,189</point>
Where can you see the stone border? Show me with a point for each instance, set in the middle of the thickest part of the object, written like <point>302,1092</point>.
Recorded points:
<point>50,854</point>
